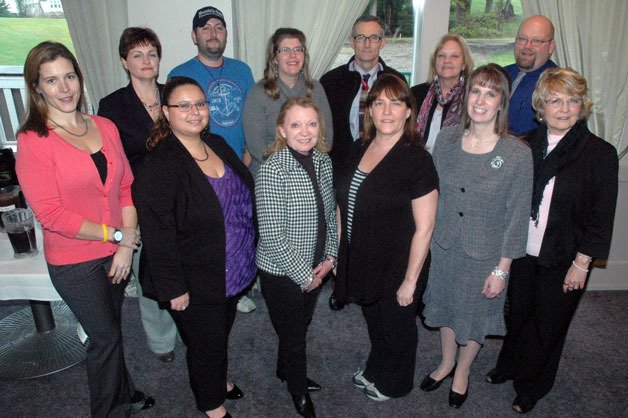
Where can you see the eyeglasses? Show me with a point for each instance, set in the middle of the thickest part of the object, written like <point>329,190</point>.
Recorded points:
<point>296,50</point>
<point>186,107</point>
<point>520,40</point>
<point>558,103</point>
<point>361,38</point>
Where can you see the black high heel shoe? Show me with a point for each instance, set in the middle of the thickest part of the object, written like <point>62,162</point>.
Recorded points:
<point>457,399</point>
<point>523,404</point>
<point>140,402</point>
<point>304,406</point>
<point>429,384</point>
<point>496,377</point>
<point>312,386</point>
<point>235,393</point>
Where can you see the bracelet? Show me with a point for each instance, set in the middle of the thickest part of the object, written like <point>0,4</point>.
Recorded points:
<point>579,268</point>
<point>583,258</point>
<point>105,233</point>
<point>500,273</point>
<point>332,261</point>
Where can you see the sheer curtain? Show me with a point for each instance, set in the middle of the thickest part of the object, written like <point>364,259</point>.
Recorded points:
<point>591,38</point>
<point>95,27</point>
<point>326,24</point>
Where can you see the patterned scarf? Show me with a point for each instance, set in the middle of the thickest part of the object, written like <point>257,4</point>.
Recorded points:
<point>454,99</point>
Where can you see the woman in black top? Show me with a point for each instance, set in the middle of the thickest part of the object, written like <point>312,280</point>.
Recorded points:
<point>387,200</point>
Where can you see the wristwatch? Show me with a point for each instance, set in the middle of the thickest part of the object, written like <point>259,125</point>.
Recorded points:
<point>117,236</point>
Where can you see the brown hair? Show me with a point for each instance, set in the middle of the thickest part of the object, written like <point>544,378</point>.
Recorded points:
<point>161,128</point>
<point>565,81</point>
<point>135,36</point>
<point>491,76</point>
<point>366,19</point>
<point>395,88</point>
<point>466,55</point>
<point>37,113</point>
<point>281,142</point>
<point>271,86</point>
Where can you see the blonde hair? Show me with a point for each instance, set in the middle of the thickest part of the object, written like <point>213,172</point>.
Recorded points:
<point>281,142</point>
<point>466,55</point>
<point>565,81</point>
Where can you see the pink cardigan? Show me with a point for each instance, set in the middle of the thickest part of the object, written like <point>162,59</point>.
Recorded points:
<point>63,188</point>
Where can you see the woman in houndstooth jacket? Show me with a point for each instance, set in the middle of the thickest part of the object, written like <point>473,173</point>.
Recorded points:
<point>298,241</point>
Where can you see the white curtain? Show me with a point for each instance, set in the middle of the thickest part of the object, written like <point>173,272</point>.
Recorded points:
<point>95,27</point>
<point>591,38</point>
<point>325,23</point>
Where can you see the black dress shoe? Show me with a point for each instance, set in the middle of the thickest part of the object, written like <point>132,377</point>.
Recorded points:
<point>334,305</point>
<point>140,402</point>
<point>312,386</point>
<point>496,377</point>
<point>429,384</point>
<point>165,357</point>
<point>234,393</point>
<point>456,399</point>
<point>304,406</point>
<point>523,404</point>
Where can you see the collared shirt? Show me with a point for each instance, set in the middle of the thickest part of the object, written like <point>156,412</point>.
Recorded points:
<point>354,114</point>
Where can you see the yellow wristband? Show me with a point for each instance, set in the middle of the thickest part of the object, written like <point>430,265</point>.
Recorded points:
<point>105,233</point>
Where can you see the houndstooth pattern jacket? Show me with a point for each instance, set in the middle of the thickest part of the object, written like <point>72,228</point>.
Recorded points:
<point>287,215</point>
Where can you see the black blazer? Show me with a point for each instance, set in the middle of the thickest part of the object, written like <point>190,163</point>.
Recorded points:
<point>583,202</point>
<point>182,223</point>
<point>126,110</point>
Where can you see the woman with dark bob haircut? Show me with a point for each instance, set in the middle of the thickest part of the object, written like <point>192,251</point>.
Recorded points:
<point>77,180</point>
<point>570,224</point>
<point>387,200</point>
<point>195,203</point>
<point>134,109</point>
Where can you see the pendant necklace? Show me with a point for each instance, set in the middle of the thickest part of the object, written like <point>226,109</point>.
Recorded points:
<point>207,69</point>
<point>72,133</point>
<point>202,159</point>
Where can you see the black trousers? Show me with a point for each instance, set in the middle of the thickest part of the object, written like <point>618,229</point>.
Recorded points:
<point>394,338</point>
<point>97,304</point>
<point>540,314</point>
<point>291,312</point>
<point>205,331</point>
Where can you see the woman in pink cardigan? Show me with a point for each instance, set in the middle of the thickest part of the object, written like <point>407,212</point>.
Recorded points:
<point>77,180</point>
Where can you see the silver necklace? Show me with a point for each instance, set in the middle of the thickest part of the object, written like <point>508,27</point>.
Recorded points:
<point>72,133</point>
<point>474,142</point>
<point>156,104</point>
<point>207,69</point>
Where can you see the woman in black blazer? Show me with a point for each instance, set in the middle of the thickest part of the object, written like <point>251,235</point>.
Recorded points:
<point>573,207</point>
<point>195,205</point>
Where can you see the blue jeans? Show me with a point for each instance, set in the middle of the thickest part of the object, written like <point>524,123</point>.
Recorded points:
<point>97,304</point>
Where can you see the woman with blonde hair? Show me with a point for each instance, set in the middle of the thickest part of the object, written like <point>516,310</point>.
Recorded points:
<point>298,241</point>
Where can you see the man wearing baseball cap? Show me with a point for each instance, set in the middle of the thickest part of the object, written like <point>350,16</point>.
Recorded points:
<point>226,83</point>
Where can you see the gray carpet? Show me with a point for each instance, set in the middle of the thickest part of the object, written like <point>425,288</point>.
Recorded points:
<point>592,380</point>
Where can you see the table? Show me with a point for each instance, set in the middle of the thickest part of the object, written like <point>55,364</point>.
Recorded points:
<point>45,338</point>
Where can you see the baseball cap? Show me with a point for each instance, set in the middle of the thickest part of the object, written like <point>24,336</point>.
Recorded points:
<point>203,15</point>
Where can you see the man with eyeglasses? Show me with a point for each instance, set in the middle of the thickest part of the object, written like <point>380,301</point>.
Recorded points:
<point>226,83</point>
<point>347,87</point>
<point>534,46</point>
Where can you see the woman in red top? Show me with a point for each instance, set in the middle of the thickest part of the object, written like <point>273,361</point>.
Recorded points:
<point>77,180</point>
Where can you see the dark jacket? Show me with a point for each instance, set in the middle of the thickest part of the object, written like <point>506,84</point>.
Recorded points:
<point>182,223</point>
<point>126,110</point>
<point>341,86</point>
<point>420,92</point>
<point>373,266</point>
<point>583,201</point>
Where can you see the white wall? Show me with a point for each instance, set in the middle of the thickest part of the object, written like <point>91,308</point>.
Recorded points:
<point>173,25</point>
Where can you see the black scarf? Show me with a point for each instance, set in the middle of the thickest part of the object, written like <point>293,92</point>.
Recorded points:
<point>546,166</point>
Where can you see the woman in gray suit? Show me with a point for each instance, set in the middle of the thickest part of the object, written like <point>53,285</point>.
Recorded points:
<point>481,226</point>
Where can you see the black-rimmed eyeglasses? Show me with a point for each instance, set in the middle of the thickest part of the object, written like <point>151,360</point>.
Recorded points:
<point>186,106</point>
<point>361,38</point>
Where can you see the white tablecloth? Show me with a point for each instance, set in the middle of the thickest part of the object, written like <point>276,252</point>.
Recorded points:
<point>25,278</point>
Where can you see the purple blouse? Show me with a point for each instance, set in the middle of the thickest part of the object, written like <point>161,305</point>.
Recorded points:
<point>237,208</point>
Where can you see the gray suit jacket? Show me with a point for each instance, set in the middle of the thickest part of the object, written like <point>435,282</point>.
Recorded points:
<point>485,212</point>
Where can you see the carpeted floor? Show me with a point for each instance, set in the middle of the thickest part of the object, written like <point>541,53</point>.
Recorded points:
<point>592,380</point>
